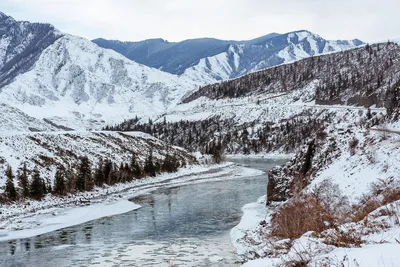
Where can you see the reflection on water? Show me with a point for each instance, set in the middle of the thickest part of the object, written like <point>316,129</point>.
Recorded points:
<point>185,226</point>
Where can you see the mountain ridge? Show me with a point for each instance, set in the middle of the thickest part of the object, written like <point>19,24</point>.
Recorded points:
<point>258,51</point>
<point>79,84</point>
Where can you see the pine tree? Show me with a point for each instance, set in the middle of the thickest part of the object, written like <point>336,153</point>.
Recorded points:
<point>10,191</point>
<point>99,178</point>
<point>170,163</point>
<point>107,171</point>
<point>71,180</point>
<point>37,185</point>
<point>135,167</point>
<point>84,181</point>
<point>59,182</point>
<point>149,167</point>
<point>23,182</point>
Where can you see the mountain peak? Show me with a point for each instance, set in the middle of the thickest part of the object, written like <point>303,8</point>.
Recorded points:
<point>4,16</point>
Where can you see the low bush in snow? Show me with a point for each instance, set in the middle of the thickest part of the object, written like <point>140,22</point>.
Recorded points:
<point>322,208</point>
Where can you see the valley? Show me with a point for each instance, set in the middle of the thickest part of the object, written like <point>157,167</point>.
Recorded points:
<point>91,130</point>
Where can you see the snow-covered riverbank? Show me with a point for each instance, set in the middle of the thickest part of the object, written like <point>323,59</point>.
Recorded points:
<point>253,214</point>
<point>271,155</point>
<point>380,241</point>
<point>23,220</point>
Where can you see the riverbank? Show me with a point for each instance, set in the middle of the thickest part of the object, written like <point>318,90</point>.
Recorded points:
<point>271,155</point>
<point>21,220</point>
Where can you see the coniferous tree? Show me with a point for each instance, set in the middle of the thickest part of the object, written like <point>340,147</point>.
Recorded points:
<point>70,180</point>
<point>135,167</point>
<point>99,178</point>
<point>23,182</point>
<point>170,164</point>
<point>84,176</point>
<point>149,167</point>
<point>59,182</point>
<point>107,171</point>
<point>10,191</point>
<point>37,185</point>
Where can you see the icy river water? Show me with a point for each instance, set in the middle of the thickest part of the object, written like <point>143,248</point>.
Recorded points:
<point>179,226</point>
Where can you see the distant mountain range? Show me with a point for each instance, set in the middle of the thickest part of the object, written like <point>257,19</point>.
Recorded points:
<point>55,81</point>
<point>212,59</point>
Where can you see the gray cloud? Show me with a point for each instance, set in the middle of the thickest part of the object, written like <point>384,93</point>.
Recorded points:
<point>174,20</point>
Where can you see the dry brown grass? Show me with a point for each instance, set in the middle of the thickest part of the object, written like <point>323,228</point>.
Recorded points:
<point>324,207</point>
<point>382,193</point>
<point>340,238</point>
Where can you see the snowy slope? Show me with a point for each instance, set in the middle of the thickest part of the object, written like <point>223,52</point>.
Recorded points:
<point>79,85</point>
<point>48,150</point>
<point>21,43</point>
<point>14,120</point>
<point>240,59</point>
<point>363,175</point>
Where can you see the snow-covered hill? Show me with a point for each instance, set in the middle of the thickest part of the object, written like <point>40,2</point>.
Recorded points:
<point>208,60</point>
<point>52,149</point>
<point>14,120</point>
<point>71,83</point>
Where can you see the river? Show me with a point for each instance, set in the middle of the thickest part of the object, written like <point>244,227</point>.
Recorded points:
<point>178,226</point>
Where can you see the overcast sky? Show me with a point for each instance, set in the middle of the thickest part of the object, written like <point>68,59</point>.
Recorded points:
<point>175,20</point>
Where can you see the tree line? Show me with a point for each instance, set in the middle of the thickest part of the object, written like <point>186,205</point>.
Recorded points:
<point>83,177</point>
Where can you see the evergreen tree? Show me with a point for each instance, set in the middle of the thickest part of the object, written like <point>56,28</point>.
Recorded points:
<point>37,185</point>
<point>99,178</point>
<point>149,167</point>
<point>135,167</point>
<point>84,177</point>
<point>59,182</point>
<point>23,182</point>
<point>170,164</point>
<point>70,180</point>
<point>217,153</point>
<point>107,171</point>
<point>10,191</point>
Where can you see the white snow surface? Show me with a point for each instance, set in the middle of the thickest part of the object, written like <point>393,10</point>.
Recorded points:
<point>253,213</point>
<point>52,219</point>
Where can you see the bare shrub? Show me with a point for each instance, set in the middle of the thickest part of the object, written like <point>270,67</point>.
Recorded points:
<point>322,208</point>
<point>390,195</point>
<point>341,238</point>
<point>365,207</point>
<point>382,193</point>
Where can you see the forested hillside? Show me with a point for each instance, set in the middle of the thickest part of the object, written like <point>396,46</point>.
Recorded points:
<point>362,76</point>
<point>281,107</point>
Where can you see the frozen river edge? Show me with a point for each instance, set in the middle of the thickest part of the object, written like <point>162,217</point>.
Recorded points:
<point>54,213</point>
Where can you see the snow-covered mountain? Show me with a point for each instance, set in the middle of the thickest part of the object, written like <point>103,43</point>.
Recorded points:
<point>59,81</point>
<point>21,43</point>
<point>210,60</point>
<point>73,83</point>
<point>244,58</point>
